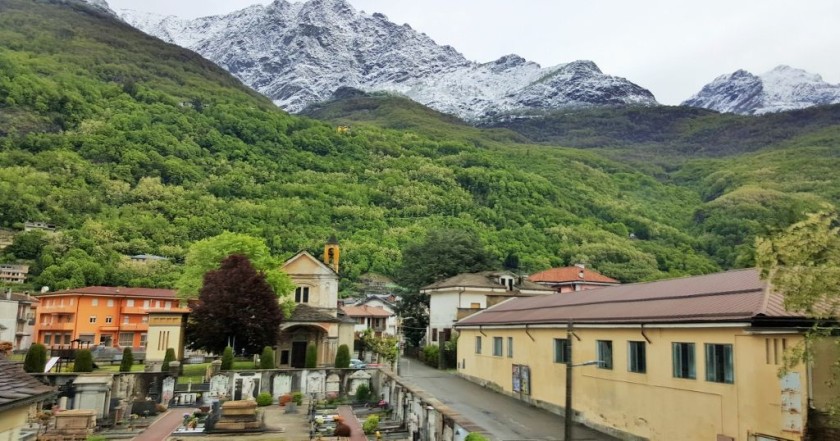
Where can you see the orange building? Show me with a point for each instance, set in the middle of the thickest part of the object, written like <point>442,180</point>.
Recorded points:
<point>102,315</point>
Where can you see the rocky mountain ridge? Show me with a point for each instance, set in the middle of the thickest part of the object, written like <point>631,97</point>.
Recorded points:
<point>783,88</point>
<point>300,53</point>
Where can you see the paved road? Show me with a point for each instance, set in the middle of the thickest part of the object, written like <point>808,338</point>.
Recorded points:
<point>164,426</point>
<point>506,418</point>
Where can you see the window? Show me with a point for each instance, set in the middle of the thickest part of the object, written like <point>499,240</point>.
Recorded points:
<point>92,319</point>
<point>129,303</point>
<point>434,334</point>
<point>561,350</point>
<point>497,346</point>
<point>94,302</point>
<point>636,361</point>
<point>110,303</point>
<point>66,339</point>
<point>168,305</point>
<point>683,360</point>
<point>146,304</point>
<point>126,339</point>
<point>477,345</point>
<point>605,354</point>
<point>143,338</point>
<point>302,294</point>
<point>475,305</point>
<point>86,338</point>
<point>510,347</point>
<point>126,320</point>
<point>144,319</point>
<point>47,339</point>
<point>109,319</point>
<point>719,367</point>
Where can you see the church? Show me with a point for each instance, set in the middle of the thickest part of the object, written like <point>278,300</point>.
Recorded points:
<point>316,319</point>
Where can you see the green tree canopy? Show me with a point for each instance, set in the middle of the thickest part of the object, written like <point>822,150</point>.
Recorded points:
<point>167,358</point>
<point>442,253</point>
<point>342,357</point>
<point>127,360</point>
<point>207,254</point>
<point>83,361</point>
<point>36,358</point>
<point>236,304</point>
<point>804,264</point>
<point>267,358</point>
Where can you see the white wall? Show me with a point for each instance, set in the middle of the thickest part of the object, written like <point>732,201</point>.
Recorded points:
<point>8,318</point>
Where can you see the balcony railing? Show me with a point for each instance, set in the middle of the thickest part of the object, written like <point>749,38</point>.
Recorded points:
<point>57,327</point>
<point>134,327</point>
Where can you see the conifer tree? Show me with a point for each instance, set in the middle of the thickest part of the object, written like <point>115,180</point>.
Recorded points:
<point>127,360</point>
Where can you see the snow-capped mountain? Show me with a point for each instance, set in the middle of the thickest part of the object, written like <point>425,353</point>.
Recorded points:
<point>783,88</point>
<point>299,53</point>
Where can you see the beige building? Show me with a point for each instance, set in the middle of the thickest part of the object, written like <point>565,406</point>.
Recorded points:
<point>166,330</point>
<point>464,294</point>
<point>12,273</point>
<point>696,358</point>
<point>316,318</point>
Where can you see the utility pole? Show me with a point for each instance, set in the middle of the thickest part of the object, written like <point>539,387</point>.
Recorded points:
<point>567,427</point>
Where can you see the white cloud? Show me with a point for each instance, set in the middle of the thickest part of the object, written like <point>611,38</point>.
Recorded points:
<point>670,47</point>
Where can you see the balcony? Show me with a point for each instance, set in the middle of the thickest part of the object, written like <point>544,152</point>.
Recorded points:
<point>56,327</point>
<point>57,309</point>
<point>134,327</point>
<point>135,310</point>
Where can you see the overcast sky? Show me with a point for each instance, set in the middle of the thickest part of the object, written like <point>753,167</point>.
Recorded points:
<point>671,47</point>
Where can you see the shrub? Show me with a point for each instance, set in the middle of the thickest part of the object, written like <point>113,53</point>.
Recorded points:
<point>168,358</point>
<point>127,360</point>
<point>96,438</point>
<point>475,436</point>
<point>36,358</point>
<point>267,358</point>
<point>227,359</point>
<point>342,357</point>
<point>371,423</point>
<point>362,393</point>
<point>297,397</point>
<point>311,356</point>
<point>83,362</point>
<point>264,399</point>
<point>430,355</point>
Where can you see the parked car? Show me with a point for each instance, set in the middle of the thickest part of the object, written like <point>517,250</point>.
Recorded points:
<point>355,363</point>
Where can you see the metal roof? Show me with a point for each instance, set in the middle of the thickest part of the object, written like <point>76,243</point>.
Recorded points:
<point>728,296</point>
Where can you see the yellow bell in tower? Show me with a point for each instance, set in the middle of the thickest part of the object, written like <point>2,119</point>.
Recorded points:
<point>332,253</point>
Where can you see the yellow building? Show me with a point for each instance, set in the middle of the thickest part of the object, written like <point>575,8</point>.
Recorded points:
<point>696,358</point>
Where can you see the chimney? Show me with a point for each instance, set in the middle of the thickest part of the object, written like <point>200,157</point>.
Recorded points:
<point>582,269</point>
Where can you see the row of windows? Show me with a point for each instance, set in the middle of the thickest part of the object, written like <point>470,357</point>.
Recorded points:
<point>110,319</point>
<point>110,303</point>
<point>719,357</point>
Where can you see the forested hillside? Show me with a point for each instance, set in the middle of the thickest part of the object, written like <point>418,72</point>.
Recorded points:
<point>130,145</point>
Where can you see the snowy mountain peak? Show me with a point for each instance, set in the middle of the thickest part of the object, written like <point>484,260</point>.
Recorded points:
<point>782,88</point>
<point>300,53</point>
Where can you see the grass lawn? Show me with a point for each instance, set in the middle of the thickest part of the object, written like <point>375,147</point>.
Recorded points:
<point>195,372</point>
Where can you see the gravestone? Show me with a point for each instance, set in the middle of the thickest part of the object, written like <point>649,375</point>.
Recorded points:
<point>219,387</point>
<point>168,391</point>
<point>333,385</point>
<point>357,379</point>
<point>314,383</point>
<point>282,385</point>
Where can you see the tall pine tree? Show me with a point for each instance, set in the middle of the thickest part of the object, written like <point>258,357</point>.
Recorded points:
<point>236,305</point>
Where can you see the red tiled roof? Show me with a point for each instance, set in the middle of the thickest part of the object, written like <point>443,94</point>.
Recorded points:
<point>365,311</point>
<point>570,274</point>
<point>117,292</point>
<point>729,296</point>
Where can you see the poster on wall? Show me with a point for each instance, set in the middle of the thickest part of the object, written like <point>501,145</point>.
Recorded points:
<point>525,379</point>
<point>516,379</point>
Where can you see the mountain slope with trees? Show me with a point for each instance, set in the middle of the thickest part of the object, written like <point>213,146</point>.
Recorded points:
<point>130,146</point>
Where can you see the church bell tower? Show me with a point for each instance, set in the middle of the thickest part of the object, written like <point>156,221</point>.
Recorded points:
<point>331,253</point>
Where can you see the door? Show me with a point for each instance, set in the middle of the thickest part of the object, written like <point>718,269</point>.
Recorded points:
<point>298,354</point>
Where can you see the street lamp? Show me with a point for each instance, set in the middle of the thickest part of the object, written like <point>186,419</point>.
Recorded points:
<point>567,427</point>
